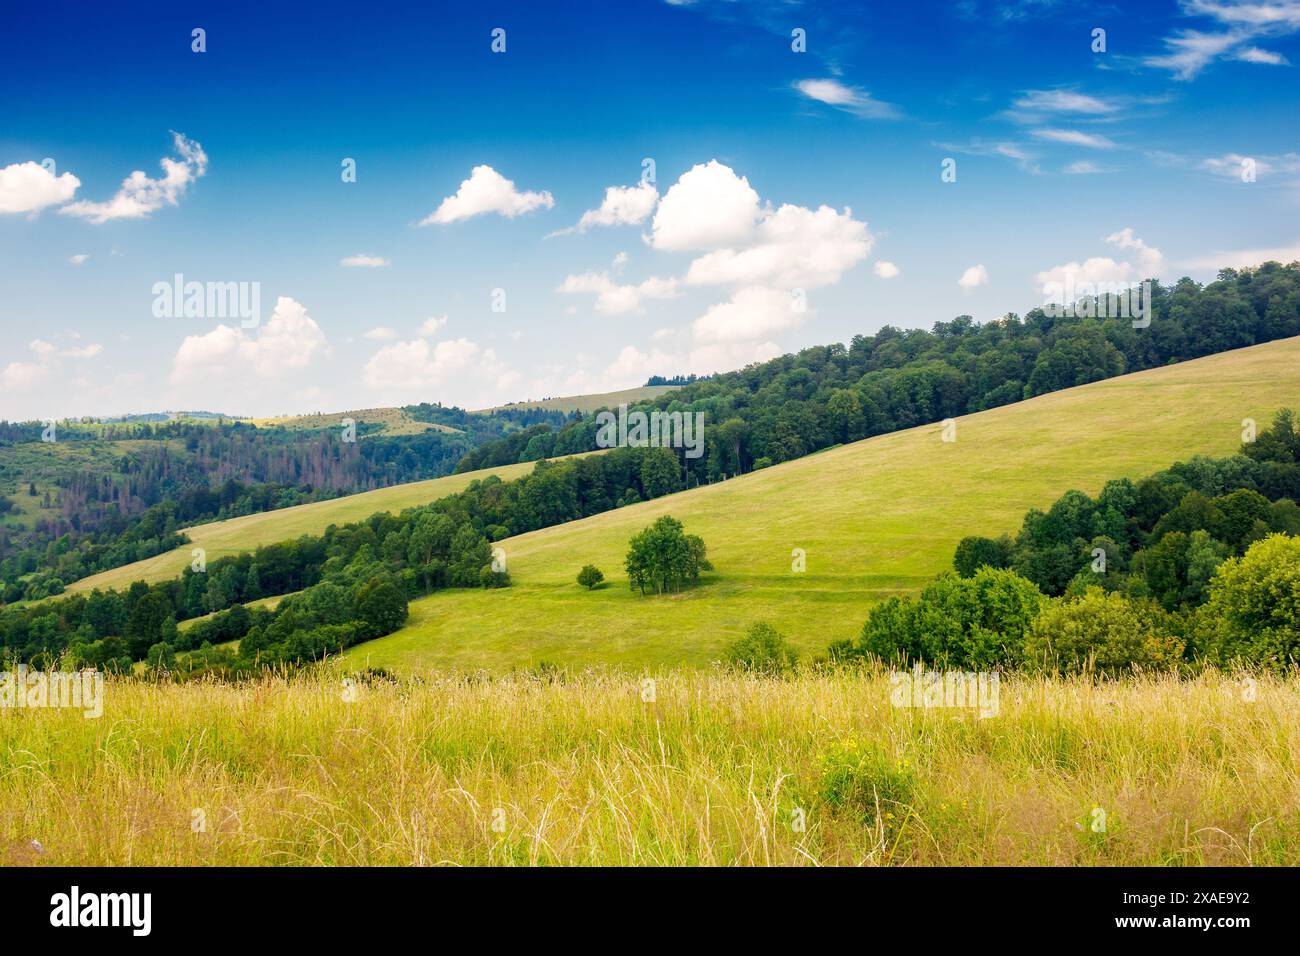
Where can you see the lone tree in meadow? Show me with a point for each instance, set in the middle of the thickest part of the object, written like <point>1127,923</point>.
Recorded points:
<point>663,558</point>
<point>590,576</point>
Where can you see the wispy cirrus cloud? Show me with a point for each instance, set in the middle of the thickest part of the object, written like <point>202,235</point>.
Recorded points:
<point>1074,137</point>
<point>1023,157</point>
<point>851,99</point>
<point>1241,23</point>
<point>1231,165</point>
<point>1065,101</point>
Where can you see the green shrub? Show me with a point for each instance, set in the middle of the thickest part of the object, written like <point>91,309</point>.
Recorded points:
<point>590,576</point>
<point>489,578</point>
<point>1101,632</point>
<point>763,650</point>
<point>969,623</point>
<point>975,552</point>
<point>868,783</point>
<point>1253,612</point>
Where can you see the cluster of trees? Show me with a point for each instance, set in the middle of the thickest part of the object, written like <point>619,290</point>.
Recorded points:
<point>797,404</point>
<point>675,379</point>
<point>1198,563</point>
<point>124,490</point>
<point>1162,537</point>
<point>113,630</point>
<point>996,618</point>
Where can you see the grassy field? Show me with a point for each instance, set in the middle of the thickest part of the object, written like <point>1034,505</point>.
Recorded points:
<point>394,421</point>
<point>874,518</point>
<point>588,403</point>
<point>714,770</point>
<point>220,538</point>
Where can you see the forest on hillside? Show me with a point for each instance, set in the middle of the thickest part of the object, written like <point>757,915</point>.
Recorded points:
<point>898,378</point>
<point>104,495</point>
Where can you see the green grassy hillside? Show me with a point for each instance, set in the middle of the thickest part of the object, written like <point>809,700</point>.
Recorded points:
<point>589,403</point>
<point>221,538</point>
<point>874,518</point>
<point>393,421</point>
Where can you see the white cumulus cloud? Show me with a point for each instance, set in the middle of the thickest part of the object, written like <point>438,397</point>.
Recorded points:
<point>709,206</point>
<point>613,298</point>
<point>431,325</point>
<point>751,313</point>
<point>622,206</point>
<point>140,195</point>
<point>30,187</point>
<point>793,246</point>
<point>974,277</point>
<point>364,262</point>
<point>290,339</point>
<point>487,191</point>
<point>1147,262</point>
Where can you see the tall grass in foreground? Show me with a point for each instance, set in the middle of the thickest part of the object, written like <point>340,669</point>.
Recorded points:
<point>716,770</point>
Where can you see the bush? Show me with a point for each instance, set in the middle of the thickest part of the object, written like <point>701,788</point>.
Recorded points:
<point>162,657</point>
<point>973,623</point>
<point>867,783</point>
<point>489,578</point>
<point>1101,632</point>
<point>974,553</point>
<point>763,650</point>
<point>379,608</point>
<point>590,576</point>
<point>1253,612</point>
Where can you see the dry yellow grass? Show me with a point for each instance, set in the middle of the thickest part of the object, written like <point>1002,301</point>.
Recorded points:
<point>395,421</point>
<point>712,772</point>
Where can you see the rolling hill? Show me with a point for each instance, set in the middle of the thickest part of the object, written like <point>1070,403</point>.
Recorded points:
<point>875,518</point>
<point>587,403</point>
<point>220,538</point>
<point>392,421</point>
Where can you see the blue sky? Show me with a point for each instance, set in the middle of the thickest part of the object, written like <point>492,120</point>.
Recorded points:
<point>797,196</point>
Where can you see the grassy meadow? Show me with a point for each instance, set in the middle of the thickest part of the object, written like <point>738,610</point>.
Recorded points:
<point>875,518</point>
<point>588,403</point>
<point>393,421</point>
<point>716,770</point>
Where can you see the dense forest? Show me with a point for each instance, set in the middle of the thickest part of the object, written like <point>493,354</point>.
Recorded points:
<point>796,404</point>
<point>116,493</point>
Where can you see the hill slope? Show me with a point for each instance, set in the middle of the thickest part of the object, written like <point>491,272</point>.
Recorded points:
<point>393,421</point>
<point>221,538</point>
<point>588,403</point>
<point>875,518</point>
